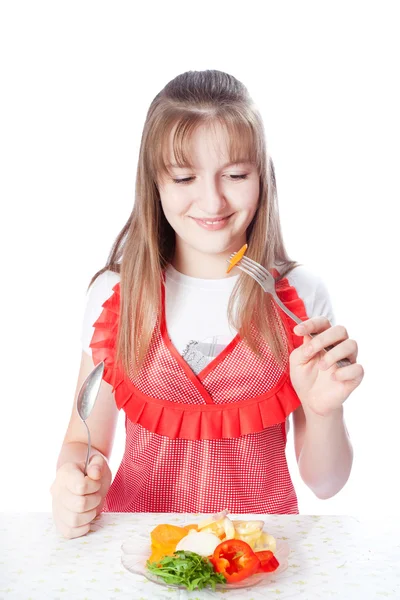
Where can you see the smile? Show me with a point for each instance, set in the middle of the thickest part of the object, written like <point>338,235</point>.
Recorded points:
<point>212,224</point>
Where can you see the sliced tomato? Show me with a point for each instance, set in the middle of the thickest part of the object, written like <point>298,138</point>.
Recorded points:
<point>268,562</point>
<point>235,560</point>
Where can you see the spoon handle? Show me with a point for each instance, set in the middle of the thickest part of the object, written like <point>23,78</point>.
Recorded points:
<point>88,450</point>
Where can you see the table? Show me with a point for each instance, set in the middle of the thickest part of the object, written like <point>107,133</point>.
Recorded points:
<point>331,557</point>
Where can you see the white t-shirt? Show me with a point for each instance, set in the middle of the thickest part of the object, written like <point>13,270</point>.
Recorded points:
<point>196,310</point>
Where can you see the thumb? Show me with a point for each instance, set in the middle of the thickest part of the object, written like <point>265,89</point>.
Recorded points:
<point>95,466</point>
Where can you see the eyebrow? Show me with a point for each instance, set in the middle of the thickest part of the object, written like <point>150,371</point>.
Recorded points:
<point>243,161</point>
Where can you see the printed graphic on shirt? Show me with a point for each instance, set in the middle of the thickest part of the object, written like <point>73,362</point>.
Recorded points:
<point>198,354</point>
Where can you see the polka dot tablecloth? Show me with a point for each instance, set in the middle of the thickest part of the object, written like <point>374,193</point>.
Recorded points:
<point>331,557</point>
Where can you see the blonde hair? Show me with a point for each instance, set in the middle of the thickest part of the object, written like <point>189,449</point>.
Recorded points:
<point>146,243</point>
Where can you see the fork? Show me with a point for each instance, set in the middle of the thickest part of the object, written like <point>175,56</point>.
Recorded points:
<point>267,282</point>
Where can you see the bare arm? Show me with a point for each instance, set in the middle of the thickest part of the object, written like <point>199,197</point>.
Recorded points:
<point>323,451</point>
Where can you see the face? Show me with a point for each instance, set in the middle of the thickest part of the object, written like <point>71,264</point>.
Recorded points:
<point>209,205</point>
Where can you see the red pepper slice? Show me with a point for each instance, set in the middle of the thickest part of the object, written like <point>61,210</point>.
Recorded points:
<point>235,560</point>
<point>268,562</point>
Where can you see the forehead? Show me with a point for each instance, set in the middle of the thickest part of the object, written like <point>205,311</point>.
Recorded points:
<point>201,144</point>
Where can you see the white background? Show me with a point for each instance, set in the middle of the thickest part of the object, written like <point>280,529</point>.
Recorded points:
<point>77,79</point>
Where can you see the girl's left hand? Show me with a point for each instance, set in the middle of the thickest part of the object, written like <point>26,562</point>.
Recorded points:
<point>320,384</point>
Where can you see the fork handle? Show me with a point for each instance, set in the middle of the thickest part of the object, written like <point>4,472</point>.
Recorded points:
<point>344,362</point>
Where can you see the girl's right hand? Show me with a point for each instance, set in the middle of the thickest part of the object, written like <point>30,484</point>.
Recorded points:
<point>77,499</point>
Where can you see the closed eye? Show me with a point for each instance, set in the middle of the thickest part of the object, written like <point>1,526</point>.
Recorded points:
<point>188,179</point>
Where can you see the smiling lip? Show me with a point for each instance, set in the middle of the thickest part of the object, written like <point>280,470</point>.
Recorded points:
<point>212,224</point>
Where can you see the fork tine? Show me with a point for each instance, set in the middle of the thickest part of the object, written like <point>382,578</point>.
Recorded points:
<point>248,261</point>
<point>256,268</point>
<point>251,269</point>
<point>252,263</point>
<point>252,274</point>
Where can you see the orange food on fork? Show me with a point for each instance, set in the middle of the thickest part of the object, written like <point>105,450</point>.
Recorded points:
<point>235,259</point>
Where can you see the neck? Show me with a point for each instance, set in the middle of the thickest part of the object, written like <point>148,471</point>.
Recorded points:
<point>203,266</point>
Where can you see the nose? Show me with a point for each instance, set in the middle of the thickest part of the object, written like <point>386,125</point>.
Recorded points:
<point>211,199</point>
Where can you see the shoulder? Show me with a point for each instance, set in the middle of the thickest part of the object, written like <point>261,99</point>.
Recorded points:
<point>98,293</point>
<point>312,289</point>
<point>305,280</point>
<point>103,284</point>
<point>100,290</point>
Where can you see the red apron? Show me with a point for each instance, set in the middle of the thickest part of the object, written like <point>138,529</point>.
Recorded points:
<point>206,442</point>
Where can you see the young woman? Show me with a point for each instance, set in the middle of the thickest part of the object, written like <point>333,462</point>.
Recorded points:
<point>205,365</point>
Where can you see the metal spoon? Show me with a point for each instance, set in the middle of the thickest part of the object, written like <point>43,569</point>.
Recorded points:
<point>86,399</point>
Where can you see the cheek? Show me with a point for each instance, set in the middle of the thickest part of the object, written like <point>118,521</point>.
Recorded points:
<point>248,201</point>
<point>174,203</point>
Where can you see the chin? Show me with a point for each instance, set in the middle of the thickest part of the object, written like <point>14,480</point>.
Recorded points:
<point>213,247</point>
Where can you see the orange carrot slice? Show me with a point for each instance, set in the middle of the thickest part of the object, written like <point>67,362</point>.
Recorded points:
<point>235,259</point>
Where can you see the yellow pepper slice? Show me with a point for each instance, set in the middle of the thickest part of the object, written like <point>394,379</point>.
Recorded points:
<point>235,259</point>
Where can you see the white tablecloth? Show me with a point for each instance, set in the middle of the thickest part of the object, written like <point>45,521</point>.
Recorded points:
<point>331,557</point>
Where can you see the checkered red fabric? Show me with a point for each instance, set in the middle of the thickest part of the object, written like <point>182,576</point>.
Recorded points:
<point>202,443</point>
<point>248,474</point>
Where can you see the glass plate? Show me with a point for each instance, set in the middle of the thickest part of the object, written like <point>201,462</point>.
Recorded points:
<point>136,551</point>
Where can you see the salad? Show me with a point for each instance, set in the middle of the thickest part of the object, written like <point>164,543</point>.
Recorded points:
<point>216,550</point>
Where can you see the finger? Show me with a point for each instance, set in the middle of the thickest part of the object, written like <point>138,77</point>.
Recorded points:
<point>347,349</point>
<point>72,532</point>
<point>73,519</point>
<point>77,483</point>
<point>313,325</point>
<point>330,337</point>
<point>309,350</point>
<point>351,373</point>
<point>80,504</point>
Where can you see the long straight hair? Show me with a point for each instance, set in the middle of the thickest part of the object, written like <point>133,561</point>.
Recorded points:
<point>146,243</point>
